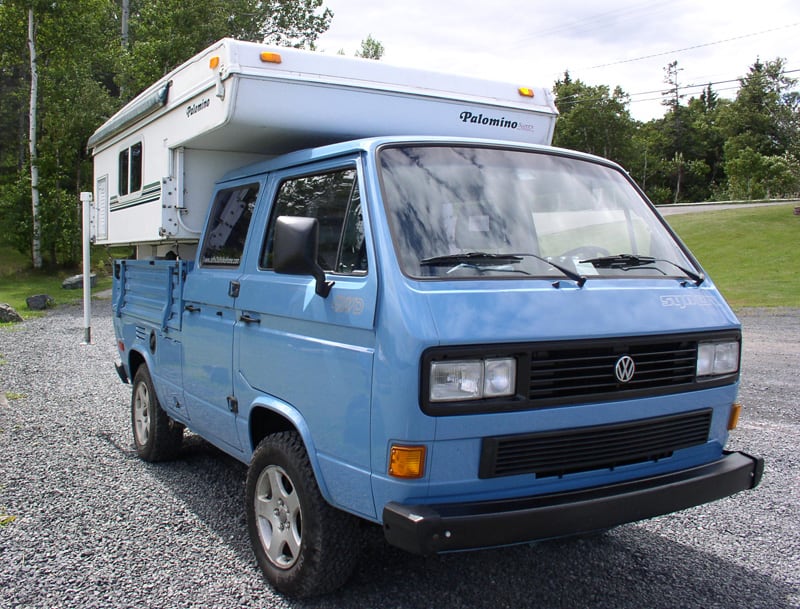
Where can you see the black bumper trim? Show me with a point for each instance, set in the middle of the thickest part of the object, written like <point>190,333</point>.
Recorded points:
<point>123,376</point>
<point>429,529</point>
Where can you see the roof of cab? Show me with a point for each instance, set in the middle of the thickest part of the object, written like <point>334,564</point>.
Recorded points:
<point>365,145</point>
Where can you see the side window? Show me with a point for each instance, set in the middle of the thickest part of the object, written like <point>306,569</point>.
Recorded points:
<point>130,169</point>
<point>227,230</point>
<point>333,199</point>
<point>136,167</point>
<point>124,164</point>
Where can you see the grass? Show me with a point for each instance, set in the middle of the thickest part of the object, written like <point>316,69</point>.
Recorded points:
<point>18,281</point>
<point>752,254</point>
<point>5,519</point>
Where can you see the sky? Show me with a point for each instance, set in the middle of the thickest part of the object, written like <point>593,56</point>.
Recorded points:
<point>614,42</point>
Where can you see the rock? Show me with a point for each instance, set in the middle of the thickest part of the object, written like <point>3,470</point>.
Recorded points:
<point>76,282</point>
<point>8,314</point>
<point>39,302</point>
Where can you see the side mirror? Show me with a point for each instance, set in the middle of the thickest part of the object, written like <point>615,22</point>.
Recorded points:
<point>295,250</point>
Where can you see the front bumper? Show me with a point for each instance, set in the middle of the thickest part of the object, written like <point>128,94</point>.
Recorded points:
<point>429,529</point>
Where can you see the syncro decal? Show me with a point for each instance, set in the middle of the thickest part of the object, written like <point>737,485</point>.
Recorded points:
<point>353,305</point>
<point>687,300</point>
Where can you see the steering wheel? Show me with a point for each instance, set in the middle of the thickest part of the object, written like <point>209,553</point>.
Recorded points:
<point>585,252</point>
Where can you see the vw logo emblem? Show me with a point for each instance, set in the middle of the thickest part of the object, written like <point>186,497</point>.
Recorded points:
<point>624,369</point>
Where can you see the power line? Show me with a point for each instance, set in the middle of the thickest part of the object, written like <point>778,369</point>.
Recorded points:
<point>660,92</point>
<point>597,19</point>
<point>691,48</point>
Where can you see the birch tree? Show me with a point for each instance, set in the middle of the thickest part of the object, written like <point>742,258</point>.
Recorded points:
<point>36,244</point>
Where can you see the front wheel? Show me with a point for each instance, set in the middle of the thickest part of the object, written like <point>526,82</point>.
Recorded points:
<point>303,545</point>
<point>156,436</point>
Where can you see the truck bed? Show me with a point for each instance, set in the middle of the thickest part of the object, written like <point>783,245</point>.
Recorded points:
<point>150,291</point>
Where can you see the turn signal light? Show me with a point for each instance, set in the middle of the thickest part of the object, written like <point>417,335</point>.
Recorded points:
<point>213,63</point>
<point>407,462</point>
<point>733,420</point>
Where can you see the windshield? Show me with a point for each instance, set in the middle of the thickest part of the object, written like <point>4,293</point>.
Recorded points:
<point>457,211</point>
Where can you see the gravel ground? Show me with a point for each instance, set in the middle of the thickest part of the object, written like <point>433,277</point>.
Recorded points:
<point>96,527</point>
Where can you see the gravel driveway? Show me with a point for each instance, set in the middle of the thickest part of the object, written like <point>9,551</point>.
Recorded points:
<point>96,527</point>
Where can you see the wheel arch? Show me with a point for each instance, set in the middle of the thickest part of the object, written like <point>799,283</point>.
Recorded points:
<point>270,417</point>
<point>135,359</point>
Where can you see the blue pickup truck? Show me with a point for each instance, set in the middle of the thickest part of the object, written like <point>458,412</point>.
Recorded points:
<point>471,343</point>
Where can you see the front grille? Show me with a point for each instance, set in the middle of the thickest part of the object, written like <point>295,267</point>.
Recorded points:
<point>587,372</point>
<point>592,448</point>
<point>566,373</point>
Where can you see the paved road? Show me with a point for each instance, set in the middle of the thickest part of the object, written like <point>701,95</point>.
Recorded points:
<point>96,527</point>
<point>695,208</point>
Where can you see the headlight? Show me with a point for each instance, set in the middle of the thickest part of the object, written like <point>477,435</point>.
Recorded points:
<point>714,359</point>
<point>458,380</point>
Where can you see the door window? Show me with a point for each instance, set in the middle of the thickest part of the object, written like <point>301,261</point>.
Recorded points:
<point>230,218</point>
<point>333,199</point>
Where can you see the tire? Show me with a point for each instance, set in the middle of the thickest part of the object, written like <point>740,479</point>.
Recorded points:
<point>156,436</point>
<point>304,546</point>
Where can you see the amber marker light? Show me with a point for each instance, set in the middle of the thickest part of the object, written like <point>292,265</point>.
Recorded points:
<point>525,92</point>
<point>733,421</point>
<point>213,63</point>
<point>407,462</point>
<point>268,57</point>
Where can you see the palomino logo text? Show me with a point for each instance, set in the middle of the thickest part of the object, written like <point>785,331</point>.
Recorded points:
<point>195,108</point>
<point>480,119</point>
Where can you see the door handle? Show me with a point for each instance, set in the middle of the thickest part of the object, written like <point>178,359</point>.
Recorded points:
<point>249,320</point>
<point>191,308</point>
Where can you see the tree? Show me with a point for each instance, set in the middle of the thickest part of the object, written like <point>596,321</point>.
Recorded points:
<point>165,33</point>
<point>86,72</point>
<point>370,48</point>
<point>752,175</point>
<point>36,242</point>
<point>764,115</point>
<point>593,119</point>
<point>762,131</point>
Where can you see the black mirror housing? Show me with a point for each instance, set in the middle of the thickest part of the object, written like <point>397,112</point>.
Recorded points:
<point>295,250</point>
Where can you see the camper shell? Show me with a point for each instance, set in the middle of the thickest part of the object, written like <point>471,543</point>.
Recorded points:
<point>157,159</point>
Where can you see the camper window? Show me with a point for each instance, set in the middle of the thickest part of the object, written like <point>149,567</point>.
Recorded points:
<point>130,169</point>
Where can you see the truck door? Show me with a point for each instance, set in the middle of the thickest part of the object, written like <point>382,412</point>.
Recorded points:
<point>312,352</point>
<point>209,315</point>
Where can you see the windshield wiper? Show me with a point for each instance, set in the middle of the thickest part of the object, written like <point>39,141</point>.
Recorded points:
<point>474,257</point>
<point>486,257</point>
<point>629,261</point>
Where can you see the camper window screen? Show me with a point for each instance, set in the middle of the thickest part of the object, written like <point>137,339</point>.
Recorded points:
<point>333,199</point>
<point>230,219</point>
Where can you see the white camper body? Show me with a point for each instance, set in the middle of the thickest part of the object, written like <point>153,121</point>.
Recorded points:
<point>156,160</point>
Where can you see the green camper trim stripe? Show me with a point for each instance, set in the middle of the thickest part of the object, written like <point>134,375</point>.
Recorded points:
<point>151,192</point>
